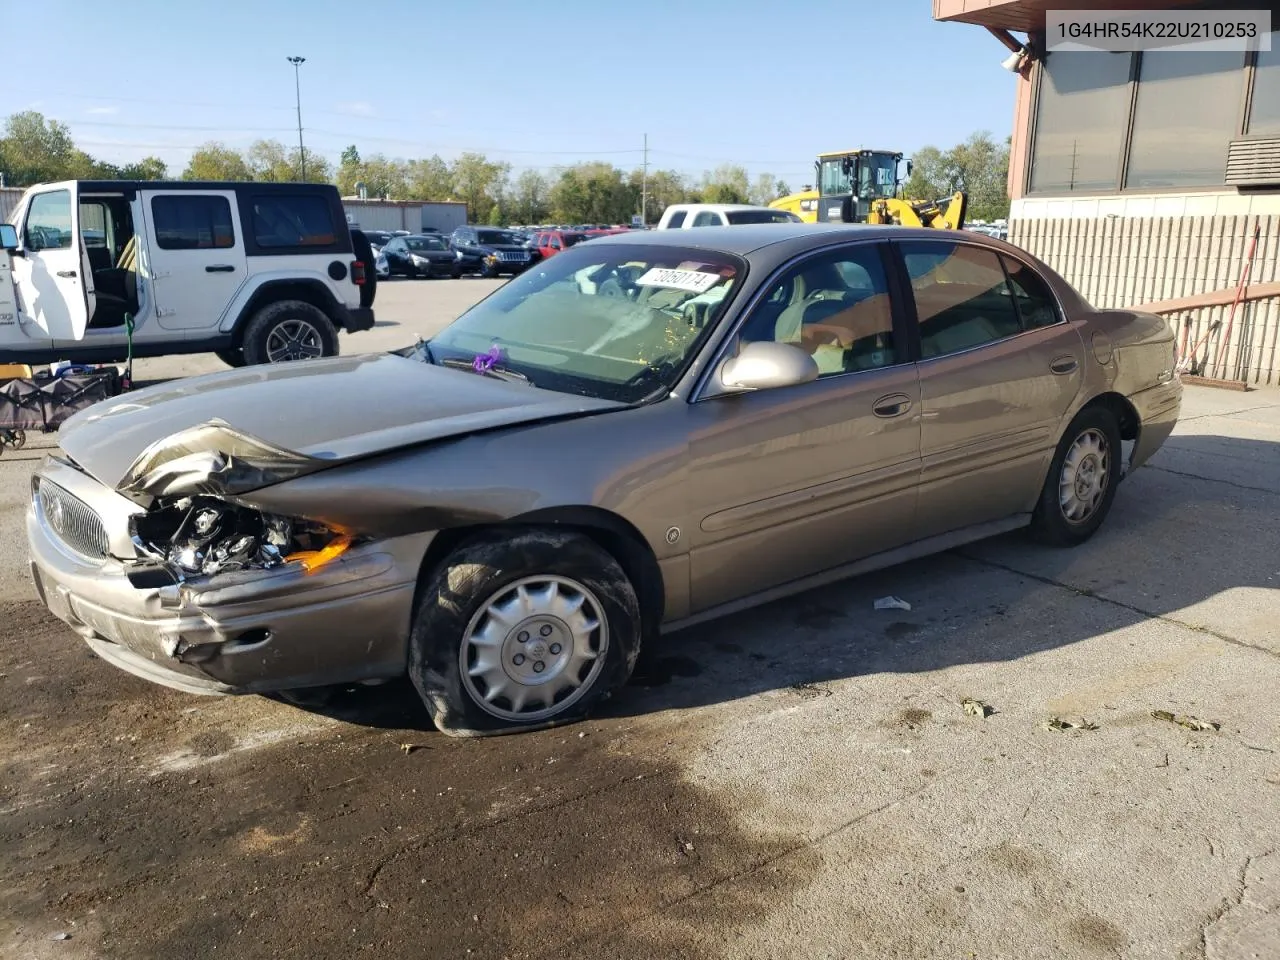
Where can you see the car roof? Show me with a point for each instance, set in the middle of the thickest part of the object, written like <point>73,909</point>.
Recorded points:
<point>747,238</point>
<point>719,207</point>
<point>257,186</point>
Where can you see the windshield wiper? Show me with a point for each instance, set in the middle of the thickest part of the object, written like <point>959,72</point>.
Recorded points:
<point>510,376</point>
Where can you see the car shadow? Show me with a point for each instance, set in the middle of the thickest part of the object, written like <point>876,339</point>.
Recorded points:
<point>1185,535</point>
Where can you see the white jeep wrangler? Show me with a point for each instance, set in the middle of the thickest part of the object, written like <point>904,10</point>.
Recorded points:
<point>254,272</point>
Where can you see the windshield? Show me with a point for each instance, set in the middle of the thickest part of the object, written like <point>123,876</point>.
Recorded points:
<point>425,243</point>
<point>613,322</point>
<point>497,236</point>
<point>761,216</point>
<point>877,176</point>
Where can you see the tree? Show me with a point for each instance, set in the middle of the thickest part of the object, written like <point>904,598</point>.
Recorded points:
<point>496,219</point>
<point>765,189</point>
<point>36,150</point>
<point>726,184</point>
<point>269,162</point>
<point>214,161</point>
<point>781,189</point>
<point>349,171</point>
<point>429,179</point>
<point>592,193</point>
<point>665,187</point>
<point>529,199</point>
<point>479,182</point>
<point>148,168</point>
<point>979,167</point>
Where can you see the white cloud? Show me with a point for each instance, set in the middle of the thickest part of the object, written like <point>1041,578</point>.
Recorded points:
<point>361,108</point>
<point>103,111</point>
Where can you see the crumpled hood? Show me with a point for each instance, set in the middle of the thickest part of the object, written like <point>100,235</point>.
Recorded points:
<point>263,424</point>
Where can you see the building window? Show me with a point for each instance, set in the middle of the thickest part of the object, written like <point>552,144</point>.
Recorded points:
<point>1264,113</point>
<point>1084,105</point>
<point>1187,111</point>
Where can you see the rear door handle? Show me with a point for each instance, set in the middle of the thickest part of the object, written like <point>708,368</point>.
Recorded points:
<point>894,405</point>
<point>1064,365</point>
<point>66,273</point>
<point>219,268</point>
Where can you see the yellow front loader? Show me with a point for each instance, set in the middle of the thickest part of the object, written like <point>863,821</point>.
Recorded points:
<point>863,186</point>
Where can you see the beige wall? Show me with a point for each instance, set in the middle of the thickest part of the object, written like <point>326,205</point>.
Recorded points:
<point>1162,248</point>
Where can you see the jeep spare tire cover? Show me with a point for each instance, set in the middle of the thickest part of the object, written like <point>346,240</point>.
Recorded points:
<point>364,253</point>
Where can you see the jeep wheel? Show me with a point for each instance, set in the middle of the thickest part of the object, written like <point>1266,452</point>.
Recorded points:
<point>232,358</point>
<point>289,330</point>
<point>489,271</point>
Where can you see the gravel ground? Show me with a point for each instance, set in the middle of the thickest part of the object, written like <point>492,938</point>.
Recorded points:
<point>798,781</point>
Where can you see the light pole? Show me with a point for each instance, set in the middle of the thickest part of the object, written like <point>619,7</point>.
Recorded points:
<point>297,87</point>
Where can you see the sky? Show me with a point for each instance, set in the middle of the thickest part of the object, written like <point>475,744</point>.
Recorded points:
<point>537,83</point>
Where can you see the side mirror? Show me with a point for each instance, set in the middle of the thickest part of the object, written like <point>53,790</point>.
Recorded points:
<point>910,166</point>
<point>766,364</point>
<point>8,237</point>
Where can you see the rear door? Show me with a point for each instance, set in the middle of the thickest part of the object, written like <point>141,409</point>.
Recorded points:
<point>53,274</point>
<point>1000,367</point>
<point>198,259</point>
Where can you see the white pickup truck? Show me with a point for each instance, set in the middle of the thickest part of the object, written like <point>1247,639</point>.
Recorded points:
<point>254,272</point>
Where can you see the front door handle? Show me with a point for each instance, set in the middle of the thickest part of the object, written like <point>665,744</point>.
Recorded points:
<point>66,273</point>
<point>219,268</point>
<point>894,405</point>
<point>1064,365</point>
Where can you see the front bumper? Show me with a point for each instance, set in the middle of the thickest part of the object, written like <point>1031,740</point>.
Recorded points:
<point>242,632</point>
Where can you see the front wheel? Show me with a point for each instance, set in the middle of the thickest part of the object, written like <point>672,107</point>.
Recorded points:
<point>232,358</point>
<point>289,330</point>
<point>1082,480</point>
<point>522,631</point>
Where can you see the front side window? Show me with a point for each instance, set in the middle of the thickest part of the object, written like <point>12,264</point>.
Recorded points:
<point>192,222</point>
<point>49,221</point>
<point>617,323</point>
<point>299,221</point>
<point>677,219</point>
<point>961,296</point>
<point>836,308</point>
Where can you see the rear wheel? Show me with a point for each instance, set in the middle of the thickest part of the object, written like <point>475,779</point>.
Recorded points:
<point>289,330</point>
<point>1082,480</point>
<point>522,631</point>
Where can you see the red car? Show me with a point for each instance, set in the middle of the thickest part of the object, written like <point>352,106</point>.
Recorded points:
<point>551,242</point>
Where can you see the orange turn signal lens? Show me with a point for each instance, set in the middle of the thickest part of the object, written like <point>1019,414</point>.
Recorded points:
<point>313,560</point>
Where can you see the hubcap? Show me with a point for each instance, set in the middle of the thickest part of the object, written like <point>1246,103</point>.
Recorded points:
<point>294,340</point>
<point>1084,476</point>
<point>534,648</point>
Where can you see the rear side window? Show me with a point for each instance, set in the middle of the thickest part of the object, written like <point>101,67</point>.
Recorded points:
<point>49,221</point>
<point>287,222</point>
<point>707,219</point>
<point>192,223</point>
<point>961,295</point>
<point>1036,305</point>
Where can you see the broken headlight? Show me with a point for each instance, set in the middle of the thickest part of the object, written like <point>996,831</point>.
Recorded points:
<point>203,536</point>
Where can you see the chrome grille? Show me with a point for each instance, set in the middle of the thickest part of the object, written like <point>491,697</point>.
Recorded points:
<point>72,520</point>
<point>513,255</point>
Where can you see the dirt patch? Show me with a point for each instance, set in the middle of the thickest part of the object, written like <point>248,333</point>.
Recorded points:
<point>154,824</point>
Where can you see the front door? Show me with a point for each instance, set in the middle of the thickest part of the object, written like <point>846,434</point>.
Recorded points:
<point>52,271</point>
<point>197,258</point>
<point>999,369</point>
<point>789,482</point>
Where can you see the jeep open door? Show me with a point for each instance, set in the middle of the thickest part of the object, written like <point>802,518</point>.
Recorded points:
<point>51,267</point>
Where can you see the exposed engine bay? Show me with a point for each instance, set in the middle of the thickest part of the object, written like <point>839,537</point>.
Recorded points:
<point>204,536</point>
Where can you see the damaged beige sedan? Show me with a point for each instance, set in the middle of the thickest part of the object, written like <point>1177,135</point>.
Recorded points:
<point>640,433</point>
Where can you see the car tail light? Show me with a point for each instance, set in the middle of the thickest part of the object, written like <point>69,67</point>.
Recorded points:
<point>358,272</point>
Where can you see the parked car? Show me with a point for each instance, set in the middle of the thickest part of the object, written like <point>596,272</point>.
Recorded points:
<point>603,449</point>
<point>427,255</point>
<point>254,272</point>
<point>551,242</point>
<point>686,215</point>
<point>378,239</point>
<point>491,251</point>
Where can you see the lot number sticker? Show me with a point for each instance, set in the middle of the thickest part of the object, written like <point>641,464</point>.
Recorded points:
<point>694,280</point>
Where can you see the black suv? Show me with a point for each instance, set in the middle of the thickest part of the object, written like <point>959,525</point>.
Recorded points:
<point>493,251</point>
